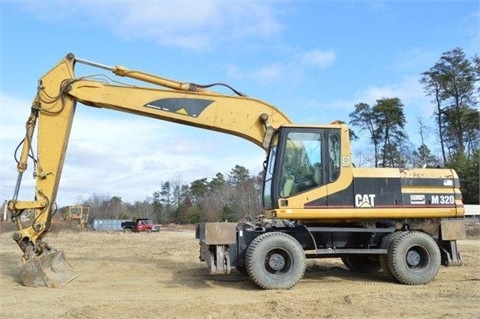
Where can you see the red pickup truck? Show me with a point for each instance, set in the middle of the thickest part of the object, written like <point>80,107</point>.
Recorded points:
<point>139,225</point>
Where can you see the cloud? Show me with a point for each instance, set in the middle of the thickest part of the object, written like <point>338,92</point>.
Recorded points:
<point>13,115</point>
<point>287,68</point>
<point>407,89</point>
<point>318,58</point>
<point>189,25</point>
<point>266,74</point>
<point>12,112</point>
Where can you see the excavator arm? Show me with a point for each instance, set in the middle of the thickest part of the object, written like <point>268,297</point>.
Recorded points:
<point>51,117</point>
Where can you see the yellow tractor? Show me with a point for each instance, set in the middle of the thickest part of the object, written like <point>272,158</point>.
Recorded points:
<point>77,215</point>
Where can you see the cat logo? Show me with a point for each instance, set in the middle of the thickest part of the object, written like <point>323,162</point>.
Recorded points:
<point>365,200</point>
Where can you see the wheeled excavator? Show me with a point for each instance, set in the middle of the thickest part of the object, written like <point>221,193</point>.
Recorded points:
<point>405,222</point>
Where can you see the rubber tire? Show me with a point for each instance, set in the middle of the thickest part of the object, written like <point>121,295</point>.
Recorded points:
<point>261,255</point>
<point>423,248</point>
<point>361,263</point>
<point>384,258</point>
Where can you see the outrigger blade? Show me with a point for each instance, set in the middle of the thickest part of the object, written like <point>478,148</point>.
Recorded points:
<point>47,270</point>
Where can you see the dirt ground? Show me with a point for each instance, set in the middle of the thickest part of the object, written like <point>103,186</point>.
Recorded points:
<point>158,275</point>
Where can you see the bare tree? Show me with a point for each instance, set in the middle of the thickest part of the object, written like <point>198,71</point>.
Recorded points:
<point>451,81</point>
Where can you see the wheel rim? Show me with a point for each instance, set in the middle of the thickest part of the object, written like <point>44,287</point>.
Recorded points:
<point>417,257</point>
<point>278,261</point>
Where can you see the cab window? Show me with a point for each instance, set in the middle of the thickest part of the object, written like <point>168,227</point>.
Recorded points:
<point>333,156</point>
<point>301,167</point>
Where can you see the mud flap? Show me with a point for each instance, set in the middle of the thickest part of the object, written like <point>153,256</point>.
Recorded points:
<point>48,270</point>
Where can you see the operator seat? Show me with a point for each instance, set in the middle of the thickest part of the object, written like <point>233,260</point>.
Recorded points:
<point>317,174</point>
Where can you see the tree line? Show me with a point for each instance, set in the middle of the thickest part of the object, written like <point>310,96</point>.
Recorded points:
<point>222,198</point>
<point>453,86</point>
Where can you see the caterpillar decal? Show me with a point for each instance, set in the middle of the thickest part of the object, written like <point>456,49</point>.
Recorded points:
<point>365,200</point>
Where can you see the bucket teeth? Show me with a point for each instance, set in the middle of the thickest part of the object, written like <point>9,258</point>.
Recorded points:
<point>47,270</point>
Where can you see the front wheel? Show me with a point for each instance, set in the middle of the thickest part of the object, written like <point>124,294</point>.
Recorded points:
<point>275,260</point>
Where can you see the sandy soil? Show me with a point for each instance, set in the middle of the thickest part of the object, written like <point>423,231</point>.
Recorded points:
<point>158,275</point>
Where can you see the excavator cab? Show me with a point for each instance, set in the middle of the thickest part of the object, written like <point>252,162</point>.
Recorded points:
<point>300,160</point>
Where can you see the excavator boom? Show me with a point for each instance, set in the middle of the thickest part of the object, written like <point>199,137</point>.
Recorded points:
<point>51,118</point>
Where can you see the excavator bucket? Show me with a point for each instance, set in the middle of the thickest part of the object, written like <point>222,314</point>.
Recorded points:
<point>47,270</point>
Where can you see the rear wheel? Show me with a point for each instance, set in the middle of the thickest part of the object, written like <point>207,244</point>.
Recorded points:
<point>362,263</point>
<point>275,260</point>
<point>414,258</point>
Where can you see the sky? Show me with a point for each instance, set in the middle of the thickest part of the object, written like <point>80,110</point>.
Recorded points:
<point>314,60</point>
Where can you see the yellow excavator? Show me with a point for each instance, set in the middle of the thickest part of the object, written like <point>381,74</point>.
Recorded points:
<point>405,222</point>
